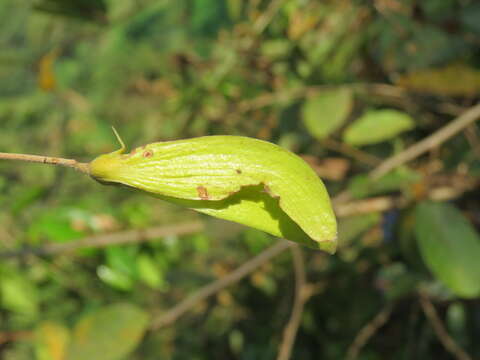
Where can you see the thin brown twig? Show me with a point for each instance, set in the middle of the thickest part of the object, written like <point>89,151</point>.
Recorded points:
<point>447,341</point>
<point>366,206</point>
<point>369,330</point>
<point>267,99</point>
<point>203,293</point>
<point>430,142</point>
<point>301,297</point>
<point>82,167</point>
<point>104,240</point>
<point>350,151</point>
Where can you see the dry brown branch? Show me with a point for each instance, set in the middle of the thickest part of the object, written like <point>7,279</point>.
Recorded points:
<point>82,167</point>
<point>203,293</point>
<point>369,330</point>
<point>302,294</point>
<point>430,142</point>
<point>457,187</point>
<point>118,238</point>
<point>447,341</point>
<point>376,204</point>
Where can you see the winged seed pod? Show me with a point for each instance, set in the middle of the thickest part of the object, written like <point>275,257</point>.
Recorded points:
<point>245,180</point>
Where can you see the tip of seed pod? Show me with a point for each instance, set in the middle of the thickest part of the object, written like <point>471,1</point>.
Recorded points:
<point>328,246</point>
<point>104,167</point>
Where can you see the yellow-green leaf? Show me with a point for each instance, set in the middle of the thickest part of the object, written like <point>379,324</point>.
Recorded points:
<point>450,247</point>
<point>327,111</point>
<point>51,341</point>
<point>110,333</point>
<point>376,126</point>
<point>451,80</point>
<point>240,179</point>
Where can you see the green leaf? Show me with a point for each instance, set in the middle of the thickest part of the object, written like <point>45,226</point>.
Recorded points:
<point>234,8</point>
<point>376,126</point>
<point>18,293</point>
<point>109,333</point>
<point>149,272</point>
<point>326,112</point>
<point>54,226</point>
<point>450,247</point>
<point>115,278</point>
<point>235,178</point>
<point>122,259</point>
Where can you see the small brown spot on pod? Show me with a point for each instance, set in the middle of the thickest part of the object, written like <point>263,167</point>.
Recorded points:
<point>239,171</point>
<point>147,153</point>
<point>202,192</point>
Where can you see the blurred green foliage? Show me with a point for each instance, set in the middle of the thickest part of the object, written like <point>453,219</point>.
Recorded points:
<point>305,74</point>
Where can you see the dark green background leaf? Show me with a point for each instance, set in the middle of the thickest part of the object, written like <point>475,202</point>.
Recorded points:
<point>450,247</point>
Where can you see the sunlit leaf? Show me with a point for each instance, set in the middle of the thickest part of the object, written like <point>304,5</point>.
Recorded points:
<point>115,278</point>
<point>122,258</point>
<point>450,247</point>
<point>376,126</point>
<point>327,111</point>
<point>149,272</point>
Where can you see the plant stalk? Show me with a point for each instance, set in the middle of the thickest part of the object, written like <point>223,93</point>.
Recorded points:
<point>82,167</point>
